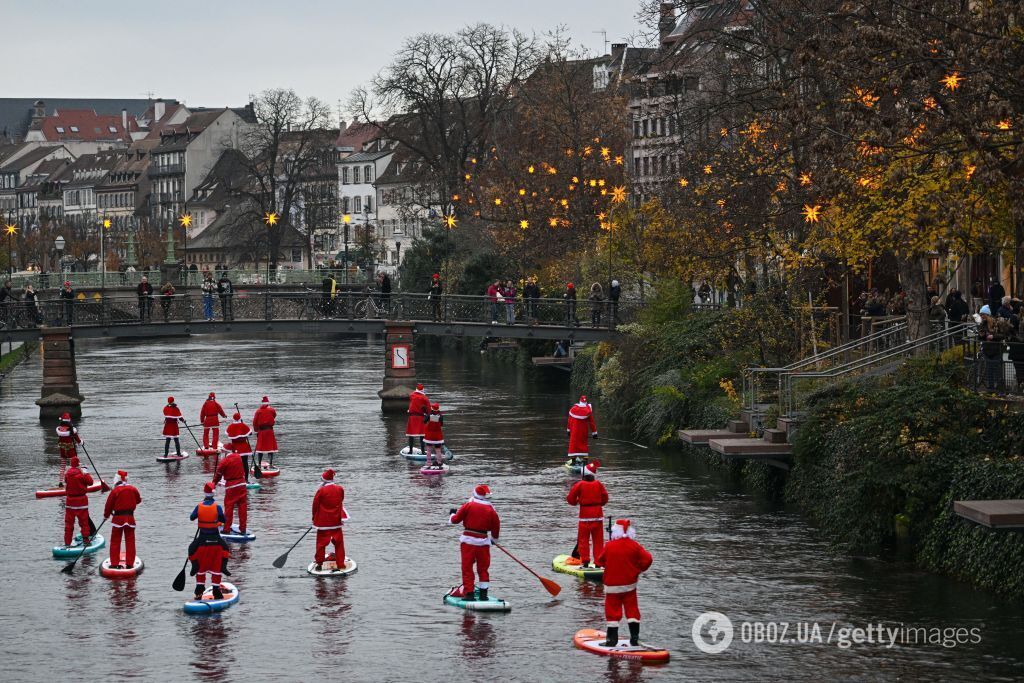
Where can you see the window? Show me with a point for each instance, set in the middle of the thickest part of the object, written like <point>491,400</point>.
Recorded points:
<point>112,129</point>
<point>344,175</point>
<point>636,165</point>
<point>74,129</point>
<point>647,127</point>
<point>369,203</point>
<point>60,129</point>
<point>355,175</point>
<point>296,254</point>
<point>367,174</point>
<point>647,165</point>
<point>357,205</point>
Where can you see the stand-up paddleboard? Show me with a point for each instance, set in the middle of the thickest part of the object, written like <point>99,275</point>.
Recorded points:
<point>59,492</point>
<point>434,470</point>
<point>208,604</point>
<point>72,551</point>
<point>573,468</point>
<point>416,455</point>
<point>253,485</point>
<point>207,452</point>
<point>488,605</point>
<point>570,565</point>
<point>235,537</point>
<point>107,570</point>
<point>330,568</point>
<point>592,640</point>
<point>172,458</point>
<point>268,471</point>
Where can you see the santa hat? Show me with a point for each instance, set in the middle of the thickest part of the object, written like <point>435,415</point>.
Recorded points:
<point>67,283</point>
<point>419,387</point>
<point>590,470</point>
<point>328,475</point>
<point>570,286</point>
<point>237,417</point>
<point>66,417</point>
<point>436,276</point>
<point>435,406</point>
<point>208,488</point>
<point>265,401</point>
<point>583,401</point>
<point>170,399</point>
<point>482,492</point>
<point>122,475</point>
<point>623,529</point>
<point>212,395</point>
<point>74,461</point>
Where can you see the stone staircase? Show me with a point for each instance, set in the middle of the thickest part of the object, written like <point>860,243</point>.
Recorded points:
<point>737,442</point>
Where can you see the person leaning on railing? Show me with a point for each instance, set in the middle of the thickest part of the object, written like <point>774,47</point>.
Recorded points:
<point>209,289</point>
<point>166,298</point>
<point>67,296</point>
<point>8,301</point>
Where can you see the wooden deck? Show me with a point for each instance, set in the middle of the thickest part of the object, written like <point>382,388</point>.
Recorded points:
<point>700,437</point>
<point>555,361</point>
<point>995,514</point>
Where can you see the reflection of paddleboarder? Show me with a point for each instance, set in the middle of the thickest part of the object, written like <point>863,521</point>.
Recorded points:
<point>480,525</point>
<point>67,439</point>
<point>209,552</point>
<point>623,560</point>
<point>263,422</point>
<point>419,405</point>
<point>590,495</point>
<point>328,516</point>
<point>580,427</point>
<point>121,503</point>
<point>76,505</point>
<point>172,414</point>
<point>209,416</point>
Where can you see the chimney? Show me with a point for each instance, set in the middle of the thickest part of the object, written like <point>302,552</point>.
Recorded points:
<point>666,20</point>
<point>38,112</point>
<point>618,49</point>
<point>124,120</point>
<point>158,110</point>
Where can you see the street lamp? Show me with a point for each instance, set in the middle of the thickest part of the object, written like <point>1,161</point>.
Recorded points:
<point>185,220</point>
<point>270,218</point>
<point>11,229</point>
<point>59,244</point>
<point>103,256</point>
<point>346,220</point>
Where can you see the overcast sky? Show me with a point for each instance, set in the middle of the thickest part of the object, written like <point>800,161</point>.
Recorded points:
<point>216,52</point>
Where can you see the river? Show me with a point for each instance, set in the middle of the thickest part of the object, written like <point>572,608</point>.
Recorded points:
<point>715,546</point>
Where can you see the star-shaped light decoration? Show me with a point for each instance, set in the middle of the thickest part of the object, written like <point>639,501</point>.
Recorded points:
<point>270,218</point>
<point>1004,125</point>
<point>708,169</point>
<point>619,194</point>
<point>564,203</point>
<point>618,160</point>
<point>497,201</point>
<point>576,179</point>
<point>588,150</point>
<point>552,170</point>
<point>724,132</point>
<point>721,203</point>
<point>10,229</point>
<point>930,103</point>
<point>600,182</point>
<point>522,191</point>
<point>683,182</point>
<point>185,220</point>
<point>781,187</point>
<point>805,178</point>
<point>812,214</point>
<point>468,177</point>
<point>569,151</point>
<point>969,170</point>
<point>606,152</point>
<point>450,221</point>
<point>553,222</point>
<point>524,224</point>
<point>592,182</point>
<point>604,191</point>
<point>346,219</point>
<point>601,216</point>
<point>106,224</point>
<point>952,81</point>
<point>530,169</point>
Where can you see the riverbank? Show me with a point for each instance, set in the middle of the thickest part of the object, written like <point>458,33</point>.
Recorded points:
<point>877,463</point>
<point>10,359</point>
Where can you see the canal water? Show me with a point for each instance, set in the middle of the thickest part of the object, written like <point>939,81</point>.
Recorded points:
<point>716,547</point>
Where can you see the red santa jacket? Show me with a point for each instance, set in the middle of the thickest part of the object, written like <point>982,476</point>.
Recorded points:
<point>329,506</point>
<point>210,413</point>
<point>171,416</point>
<point>580,427</point>
<point>419,405</point>
<point>432,428</point>
<point>231,470</point>
<point>67,437</point>
<point>623,560</point>
<point>478,517</point>
<point>76,486</point>
<point>590,495</point>
<point>238,432</point>
<point>121,503</point>
<point>263,422</point>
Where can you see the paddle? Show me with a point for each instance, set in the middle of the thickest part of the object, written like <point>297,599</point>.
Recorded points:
<point>192,435</point>
<point>256,470</point>
<point>70,567</point>
<point>551,586</point>
<point>179,580</point>
<point>279,562</point>
<point>103,484</point>
<point>631,443</point>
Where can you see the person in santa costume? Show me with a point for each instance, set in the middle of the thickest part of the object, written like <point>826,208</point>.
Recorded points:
<point>238,434</point>
<point>263,422</point>
<point>67,439</point>
<point>623,560</point>
<point>233,470</point>
<point>209,416</point>
<point>591,497</point>
<point>580,427</point>
<point>77,481</point>
<point>121,503</point>
<point>172,415</point>
<point>419,407</point>
<point>209,552</point>
<point>328,516</point>
<point>480,526</point>
<point>433,436</point>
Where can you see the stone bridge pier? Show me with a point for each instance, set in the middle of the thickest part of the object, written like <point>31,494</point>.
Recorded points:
<point>399,367</point>
<point>60,392</point>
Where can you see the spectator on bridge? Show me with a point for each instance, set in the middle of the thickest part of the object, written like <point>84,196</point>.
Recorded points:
<point>8,303</point>
<point>145,294</point>
<point>328,295</point>
<point>531,293</point>
<point>434,296</point>
<point>509,292</point>
<point>995,294</point>
<point>493,299</point>
<point>384,283</point>
<point>596,299</point>
<point>67,296</point>
<point>936,313</point>
<point>1016,355</point>
<point>226,290</point>
<point>570,305</point>
<point>166,299</point>
<point>1005,311</point>
<point>31,304</point>
<point>992,332</point>
<point>208,288</point>
<point>614,292</point>
<point>956,307</point>
<point>704,292</point>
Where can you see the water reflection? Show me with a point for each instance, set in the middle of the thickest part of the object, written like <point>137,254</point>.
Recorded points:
<point>211,659</point>
<point>478,637</point>
<point>123,594</point>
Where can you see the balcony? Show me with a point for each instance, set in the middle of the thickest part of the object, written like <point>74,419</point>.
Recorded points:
<point>167,197</point>
<point>173,169</point>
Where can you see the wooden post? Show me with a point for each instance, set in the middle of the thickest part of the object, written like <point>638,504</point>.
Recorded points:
<point>399,367</point>
<point>60,393</point>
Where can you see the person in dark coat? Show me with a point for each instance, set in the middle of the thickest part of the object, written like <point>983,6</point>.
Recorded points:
<point>434,296</point>
<point>8,303</point>
<point>531,293</point>
<point>956,307</point>
<point>226,290</point>
<point>31,304</point>
<point>570,305</point>
<point>67,297</point>
<point>995,294</point>
<point>144,291</point>
<point>385,292</point>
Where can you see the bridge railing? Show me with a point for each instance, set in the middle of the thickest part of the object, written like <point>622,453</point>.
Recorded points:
<point>239,276</point>
<point>310,304</point>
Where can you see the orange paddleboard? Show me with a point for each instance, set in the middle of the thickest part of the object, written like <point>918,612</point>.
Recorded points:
<point>592,640</point>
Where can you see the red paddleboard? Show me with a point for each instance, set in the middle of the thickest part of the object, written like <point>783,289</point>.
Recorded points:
<point>592,640</point>
<point>206,452</point>
<point>268,471</point>
<point>434,471</point>
<point>59,492</point>
<point>111,573</point>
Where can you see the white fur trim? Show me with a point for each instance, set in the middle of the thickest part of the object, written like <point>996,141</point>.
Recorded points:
<point>631,620</point>
<point>68,507</point>
<point>617,532</point>
<point>433,443</point>
<point>234,486</point>
<point>484,584</point>
<point>478,499</point>
<point>620,589</point>
<point>591,519</point>
<point>576,454</point>
<point>326,528</point>
<point>121,526</point>
<point>474,540</point>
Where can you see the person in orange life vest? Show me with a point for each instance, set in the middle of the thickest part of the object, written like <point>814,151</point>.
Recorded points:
<point>623,560</point>
<point>419,406</point>
<point>433,436</point>
<point>209,552</point>
<point>67,438</point>
<point>76,505</point>
<point>209,416</point>
<point>580,426</point>
<point>238,432</point>
<point>263,422</point>
<point>172,415</point>
<point>480,525</point>
<point>328,516</point>
<point>121,503</point>
<point>591,496</point>
<point>233,471</point>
